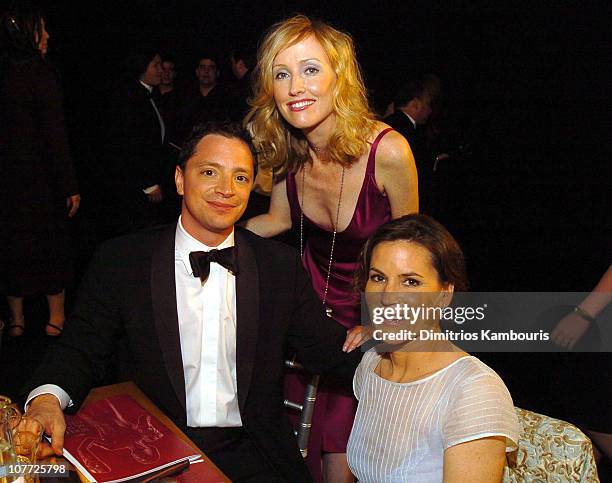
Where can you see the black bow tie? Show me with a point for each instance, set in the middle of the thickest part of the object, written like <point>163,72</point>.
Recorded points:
<point>200,261</point>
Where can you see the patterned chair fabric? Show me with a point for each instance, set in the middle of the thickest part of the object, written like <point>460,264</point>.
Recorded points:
<point>550,451</point>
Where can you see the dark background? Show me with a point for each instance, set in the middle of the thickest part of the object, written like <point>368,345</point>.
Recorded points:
<point>525,83</point>
<point>528,84</point>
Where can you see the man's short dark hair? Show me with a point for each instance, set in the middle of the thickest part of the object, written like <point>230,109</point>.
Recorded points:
<point>207,55</point>
<point>138,60</point>
<point>413,89</point>
<point>445,253</point>
<point>230,130</point>
<point>245,55</point>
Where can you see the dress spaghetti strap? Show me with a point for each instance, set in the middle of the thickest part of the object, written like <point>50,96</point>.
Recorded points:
<point>372,155</point>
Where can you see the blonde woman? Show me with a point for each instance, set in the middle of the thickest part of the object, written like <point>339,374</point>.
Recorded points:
<point>339,174</point>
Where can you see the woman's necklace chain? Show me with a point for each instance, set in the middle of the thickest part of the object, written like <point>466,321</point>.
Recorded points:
<point>328,310</point>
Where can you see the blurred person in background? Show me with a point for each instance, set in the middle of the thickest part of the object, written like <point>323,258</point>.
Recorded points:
<point>168,76</point>
<point>412,110</point>
<point>207,100</point>
<point>139,144</point>
<point>242,62</point>
<point>38,186</point>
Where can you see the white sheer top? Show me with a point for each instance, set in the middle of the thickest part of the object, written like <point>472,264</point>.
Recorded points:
<point>402,429</point>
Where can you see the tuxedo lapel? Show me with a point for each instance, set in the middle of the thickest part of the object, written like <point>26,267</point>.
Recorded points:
<point>407,125</point>
<point>163,293</point>
<point>247,315</point>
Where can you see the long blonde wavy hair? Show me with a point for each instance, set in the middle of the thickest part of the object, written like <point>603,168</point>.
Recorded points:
<point>283,147</point>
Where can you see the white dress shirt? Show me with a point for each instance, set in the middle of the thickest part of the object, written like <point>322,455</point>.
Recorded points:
<point>207,328</point>
<point>207,325</point>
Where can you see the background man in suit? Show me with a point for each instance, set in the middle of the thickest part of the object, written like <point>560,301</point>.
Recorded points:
<point>207,327</point>
<point>241,60</point>
<point>412,109</point>
<point>208,100</point>
<point>168,76</point>
<point>170,100</point>
<point>138,144</point>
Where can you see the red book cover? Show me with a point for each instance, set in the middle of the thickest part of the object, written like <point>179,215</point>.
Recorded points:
<point>115,439</point>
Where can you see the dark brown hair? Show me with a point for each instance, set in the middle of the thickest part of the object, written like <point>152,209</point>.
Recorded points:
<point>227,129</point>
<point>446,254</point>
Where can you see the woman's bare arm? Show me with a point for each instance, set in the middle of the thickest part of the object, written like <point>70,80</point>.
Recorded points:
<point>573,326</point>
<point>478,461</point>
<point>278,218</point>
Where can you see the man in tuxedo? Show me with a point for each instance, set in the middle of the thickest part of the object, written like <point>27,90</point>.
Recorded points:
<point>412,109</point>
<point>208,310</point>
<point>138,144</point>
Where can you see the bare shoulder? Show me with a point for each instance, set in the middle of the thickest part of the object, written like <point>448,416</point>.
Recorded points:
<point>396,173</point>
<point>393,151</point>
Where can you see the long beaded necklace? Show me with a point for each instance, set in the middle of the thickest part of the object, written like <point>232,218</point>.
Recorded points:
<point>328,310</point>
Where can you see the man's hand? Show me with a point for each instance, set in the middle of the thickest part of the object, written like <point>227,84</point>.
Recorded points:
<point>156,196</point>
<point>46,409</point>
<point>356,337</point>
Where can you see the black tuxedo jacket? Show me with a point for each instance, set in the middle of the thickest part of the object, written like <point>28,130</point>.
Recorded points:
<point>139,151</point>
<point>130,290</point>
<point>400,122</point>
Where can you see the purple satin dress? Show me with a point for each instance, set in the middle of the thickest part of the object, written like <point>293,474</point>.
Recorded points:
<point>335,407</point>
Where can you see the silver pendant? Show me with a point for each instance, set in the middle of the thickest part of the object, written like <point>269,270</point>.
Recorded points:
<point>328,311</point>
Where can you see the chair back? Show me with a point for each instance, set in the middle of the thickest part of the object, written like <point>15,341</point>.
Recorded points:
<point>550,450</point>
